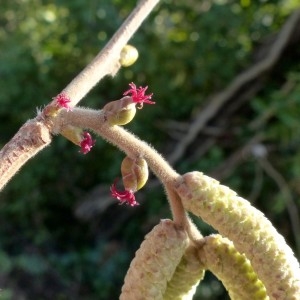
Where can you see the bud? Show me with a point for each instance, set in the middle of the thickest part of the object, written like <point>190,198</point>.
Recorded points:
<point>73,134</point>
<point>51,110</point>
<point>120,112</point>
<point>155,262</point>
<point>128,56</point>
<point>134,173</point>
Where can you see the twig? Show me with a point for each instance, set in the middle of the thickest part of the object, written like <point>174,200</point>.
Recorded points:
<point>121,138</point>
<point>229,165</point>
<point>220,99</point>
<point>106,62</point>
<point>31,139</point>
<point>134,148</point>
<point>287,196</point>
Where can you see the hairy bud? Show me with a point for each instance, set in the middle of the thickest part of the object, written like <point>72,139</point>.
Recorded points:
<point>120,112</point>
<point>72,133</point>
<point>134,173</point>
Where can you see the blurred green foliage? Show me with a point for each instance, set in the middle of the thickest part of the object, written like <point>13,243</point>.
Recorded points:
<point>188,51</point>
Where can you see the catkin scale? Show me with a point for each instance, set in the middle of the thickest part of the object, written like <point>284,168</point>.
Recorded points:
<point>251,232</point>
<point>219,255</point>
<point>186,278</point>
<point>155,262</point>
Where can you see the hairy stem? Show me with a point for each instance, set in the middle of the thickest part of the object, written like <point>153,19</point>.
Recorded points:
<point>121,138</point>
<point>30,139</point>
<point>107,61</point>
<point>134,148</point>
<point>24,144</point>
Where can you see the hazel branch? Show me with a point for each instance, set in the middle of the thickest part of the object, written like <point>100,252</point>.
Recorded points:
<point>121,138</point>
<point>26,143</point>
<point>107,61</point>
<point>134,148</point>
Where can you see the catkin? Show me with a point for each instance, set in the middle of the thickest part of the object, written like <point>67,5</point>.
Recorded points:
<point>219,256</point>
<point>250,231</point>
<point>187,276</point>
<point>155,262</point>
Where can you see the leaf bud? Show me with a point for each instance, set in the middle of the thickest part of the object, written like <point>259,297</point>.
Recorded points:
<point>72,133</point>
<point>120,112</point>
<point>134,173</point>
<point>128,56</point>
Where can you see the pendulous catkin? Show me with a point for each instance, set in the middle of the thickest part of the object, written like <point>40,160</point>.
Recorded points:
<point>250,231</point>
<point>155,262</point>
<point>219,256</point>
<point>187,276</point>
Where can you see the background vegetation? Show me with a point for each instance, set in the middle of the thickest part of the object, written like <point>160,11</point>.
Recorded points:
<point>61,234</point>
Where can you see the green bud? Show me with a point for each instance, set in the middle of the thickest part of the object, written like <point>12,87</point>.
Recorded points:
<point>120,112</point>
<point>134,173</point>
<point>128,56</point>
<point>73,134</point>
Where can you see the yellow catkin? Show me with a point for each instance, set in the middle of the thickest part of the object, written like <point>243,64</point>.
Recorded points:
<point>155,262</point>
<point>251,232</point>
<point>219,256</point>
<point>187,276</point>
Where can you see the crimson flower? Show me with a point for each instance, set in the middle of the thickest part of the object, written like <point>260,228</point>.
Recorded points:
<point>87,143</point>
<point>138,95</point>
<point>63,100</point>
<point>126,196</point>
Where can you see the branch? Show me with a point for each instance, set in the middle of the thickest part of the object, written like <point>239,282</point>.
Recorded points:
<point>106,62</point>
<point>120,137</point>
<point>34,135</point>
<point>220,99</point>
<point>291,206</point>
